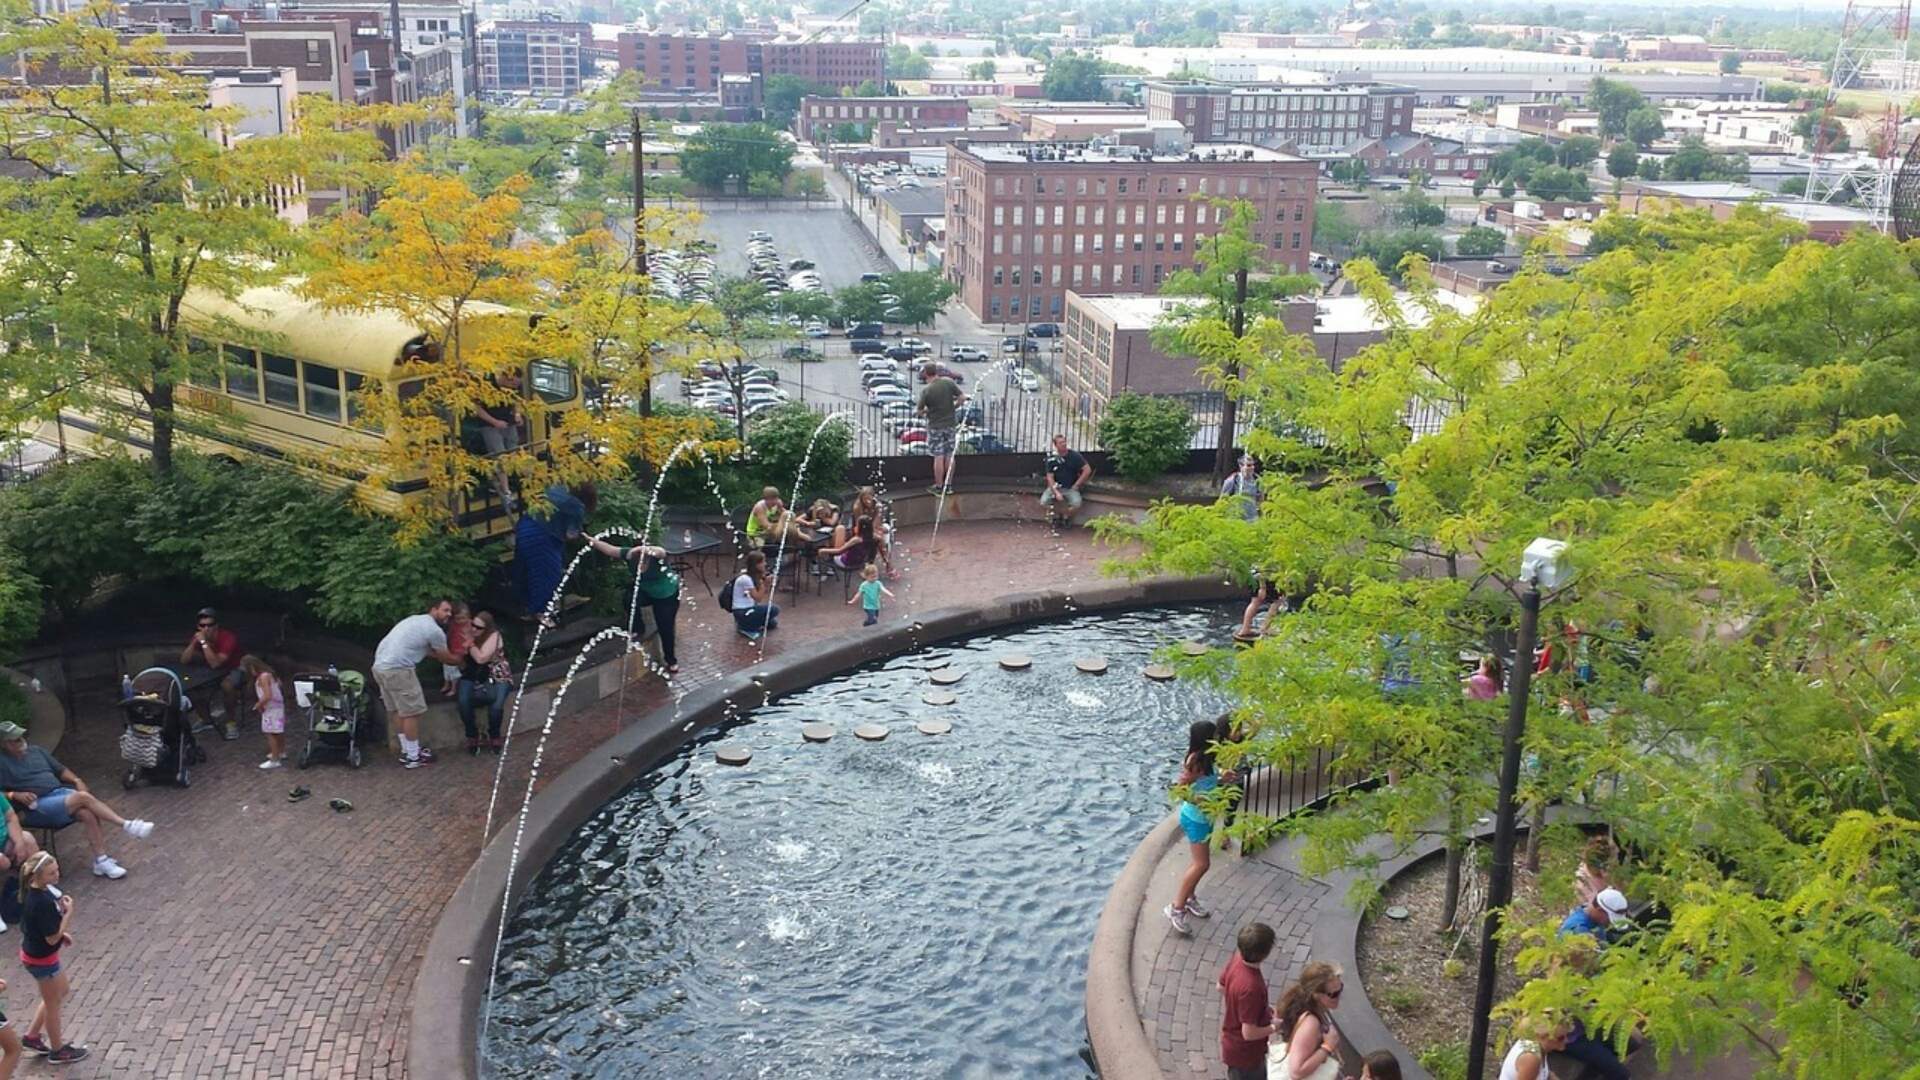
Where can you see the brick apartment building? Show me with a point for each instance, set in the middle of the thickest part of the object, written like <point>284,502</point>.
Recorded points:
<point>817,115</point>
<point>541,57</point>
<point>1027,222</point>
<point>699,61</point>
<point>1272,114</point>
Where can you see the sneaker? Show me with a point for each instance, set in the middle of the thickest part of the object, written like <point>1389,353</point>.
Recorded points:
<point>473,747</point>
<point>1179,921</point>
<point>496,744</point>
<point>104,866</point>
<point>1194,909</point>
<point>272,763</point>
<point>411,763</point>
<point>36,1044</point>
<point>68,1054</point>
<point>425,755</point>
<point>228,732</point>
<point>138,829</point>
<point>750,635</point>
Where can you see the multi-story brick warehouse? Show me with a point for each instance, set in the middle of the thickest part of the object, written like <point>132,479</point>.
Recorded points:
<point>818,115</point>
<point>1027,222</point>
<point>542,57</point>
<point>1321,117</point>
<point>699,61</point>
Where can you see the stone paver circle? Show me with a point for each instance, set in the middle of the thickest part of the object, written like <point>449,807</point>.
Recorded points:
<point>934,727</point>
<point>939,697</point>
<point>816,731</point>
<point>871,732</point>
<point>1194,648</point>
<point>1016,661</point>
<point>732,754</point>
<point>946,677</point>
<point>1092,665</point>
<point>1158,672</point>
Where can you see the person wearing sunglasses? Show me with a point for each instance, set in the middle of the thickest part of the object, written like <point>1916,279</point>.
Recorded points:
<point>1304,1019</point>
<point>218,648</point>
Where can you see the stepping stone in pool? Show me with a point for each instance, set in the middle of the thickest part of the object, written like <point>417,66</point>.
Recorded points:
<point>946,677</point>
<point>1092,665</point>
<point>935,663</point>
<point>934,727</point>
<point>1158,672</point>
<point>1245,639</point>
<point>816,732</point>
<point>939,697</point>
<point>1016,661</point>
<point>871,732</point>
<point>733,754</point>
<point>1194,648</point>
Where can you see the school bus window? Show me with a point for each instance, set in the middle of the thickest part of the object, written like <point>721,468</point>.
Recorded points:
<point>553,382</point>
<point>203,364</point>
<point>356,383</point>
<point>243,378</point>
<point>323,391</point>
<point>282,380</point>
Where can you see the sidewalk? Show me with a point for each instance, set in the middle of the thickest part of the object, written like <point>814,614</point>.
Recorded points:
<point>257,938</point>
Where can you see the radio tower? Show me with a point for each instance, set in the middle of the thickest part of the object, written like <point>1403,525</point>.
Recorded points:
<point>1873,41</point>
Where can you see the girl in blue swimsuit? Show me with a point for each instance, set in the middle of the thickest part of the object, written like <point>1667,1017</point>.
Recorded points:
<point>1198,776</point>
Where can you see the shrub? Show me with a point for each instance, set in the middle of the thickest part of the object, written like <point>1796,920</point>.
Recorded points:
<point>1447,1061</point>
<point>69,526</point>
<point>778,443</point>
<point>13,703</point>
<point>19,602</point>
<point>1148,435</point>
<point>1480,242</point>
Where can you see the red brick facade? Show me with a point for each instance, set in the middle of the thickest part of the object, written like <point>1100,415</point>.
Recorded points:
<point>817,115</point>
<point>698,61</point>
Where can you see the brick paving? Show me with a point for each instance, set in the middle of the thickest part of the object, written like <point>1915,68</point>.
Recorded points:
<point>254,937</point>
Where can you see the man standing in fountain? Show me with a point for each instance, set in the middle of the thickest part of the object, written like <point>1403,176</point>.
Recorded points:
<point>940,403</point>
<point>411,640</point>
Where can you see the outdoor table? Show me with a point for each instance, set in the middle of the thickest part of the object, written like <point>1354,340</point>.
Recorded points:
<point>686,549</point>
<point>202,686</point>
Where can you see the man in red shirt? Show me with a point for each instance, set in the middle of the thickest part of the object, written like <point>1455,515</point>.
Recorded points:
<point>1248,1021</point>
<point>219,649</point>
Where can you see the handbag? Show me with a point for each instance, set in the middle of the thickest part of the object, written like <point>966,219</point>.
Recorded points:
<point>498,670</point>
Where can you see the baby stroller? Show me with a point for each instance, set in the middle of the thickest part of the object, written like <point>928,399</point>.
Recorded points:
<point>157,742</point>
<point>339,714</point>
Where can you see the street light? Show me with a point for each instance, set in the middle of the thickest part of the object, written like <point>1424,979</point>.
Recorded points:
<point>1540,568</point>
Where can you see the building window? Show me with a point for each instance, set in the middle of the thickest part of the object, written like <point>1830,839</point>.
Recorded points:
<point>1180,214</point>
<point>1054,304</point>
<point>1299,211</point>
<point>1079,215</point>
<point>993,308</point>
<point>1099,215</point>
<point>1100,243</point>
<point>996,244</point>
<point>1013,304</point>
<point>1139,241</point>
<point>1097,268</point>
<point>1296,241</point>
<point>1080,186</point>
<point>1140,213</point>
<point>1136,273</point>
<point>1019,243</point>
<point>1056,273</point>
<point>1076,277</point>
<point>313,52</point>
<point>1016,275</point>
<point>1123,185</point>
<point>998,276</point>
<point>1079,245</point>
<point>1100,186</point>
<point>1019,215</point>
<point>1156,273</point>
<point>999,185</point>
<point>999,213</point>
<point>1160,214</point>
<point>1177,239</point>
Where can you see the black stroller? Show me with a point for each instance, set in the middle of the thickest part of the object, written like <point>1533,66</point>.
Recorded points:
<point>157,742</point>
<point>339,712</point>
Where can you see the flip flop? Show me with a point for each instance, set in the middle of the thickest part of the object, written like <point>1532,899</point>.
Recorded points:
<point>340,806</point>
<point>298,793</point>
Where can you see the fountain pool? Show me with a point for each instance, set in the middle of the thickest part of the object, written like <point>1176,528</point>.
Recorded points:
<point>917,907</point>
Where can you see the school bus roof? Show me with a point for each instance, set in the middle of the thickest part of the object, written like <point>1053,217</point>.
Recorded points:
<point>278,319</point>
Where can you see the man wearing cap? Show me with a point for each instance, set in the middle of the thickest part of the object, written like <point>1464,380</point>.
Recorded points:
<point>219,649</point>
<point>1602,917</point>
<point>50,796</point>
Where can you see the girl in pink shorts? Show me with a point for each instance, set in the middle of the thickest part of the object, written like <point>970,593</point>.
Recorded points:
<point>273,709</point>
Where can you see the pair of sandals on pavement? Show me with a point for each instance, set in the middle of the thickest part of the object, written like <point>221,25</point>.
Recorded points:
<point>302,793</point>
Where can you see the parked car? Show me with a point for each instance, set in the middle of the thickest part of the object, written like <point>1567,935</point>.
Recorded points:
<point>916,345</point>
<point>901,353</point>
<point>1045,329</point>
<point>1025,380</point>
<point>1017,345</point>
<point>815,329</point>
<point>983,442</point>
<point>887,392</point>
<point>865,330</point>
<point>864,345</point>
<point>967,353</point>
<point>970,413</point>
<point>877,362</point>
<point>800,353</point>
<point>942,369</point>
<point>882,378</point>
<point>915,435</point>
<point>869,278</point>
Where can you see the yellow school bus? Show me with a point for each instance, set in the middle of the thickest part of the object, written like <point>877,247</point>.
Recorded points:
<point>295,401</point>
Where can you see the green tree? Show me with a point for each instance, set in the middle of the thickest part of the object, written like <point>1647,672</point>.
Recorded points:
<point>764,186</point>
<point>1644,126</point>
<point>1730,63</point>
<point>922,294</point>
<point>1826,132</point>
<point>1577,151</point>
<point>1614,101</point>
<point>1148,435</point>
<point>907,64</point>
<point>122,208</point>
<point>1694,161</point>
<point>780,100</point>
<point>1553,183</point>
<point>809,185</point>
<point>1415,209</point>
<point>848,133</point>
<point>983,71</point>
<point>1073,77</point>
<point>869,88</point>
<point>861,303</point>
<point>1333,228</point>
<point>1623,160</point>
<point>1351,171</point>
<point>1479,242</point>
<point>1390,248</point>
<point>720,153</point>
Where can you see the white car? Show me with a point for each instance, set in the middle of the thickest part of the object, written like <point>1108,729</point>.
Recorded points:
<point>888,392</point>
<point>964,353</point>
<point>1025,380</point>
<point>816,329</point>
<point>916,345</point>
<point>900,425</point>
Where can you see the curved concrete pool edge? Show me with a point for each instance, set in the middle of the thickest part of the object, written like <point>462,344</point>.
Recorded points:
<point>1121,1048</point>
<point>451,987</point>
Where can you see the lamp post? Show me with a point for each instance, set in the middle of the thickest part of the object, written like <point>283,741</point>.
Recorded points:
<point>1540,567</point>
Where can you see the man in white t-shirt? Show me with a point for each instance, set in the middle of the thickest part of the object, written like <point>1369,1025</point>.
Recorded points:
<point>411,640</point>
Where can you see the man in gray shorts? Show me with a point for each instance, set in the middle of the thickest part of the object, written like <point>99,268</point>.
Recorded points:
<point>411,640</point>
<point>940,402</point>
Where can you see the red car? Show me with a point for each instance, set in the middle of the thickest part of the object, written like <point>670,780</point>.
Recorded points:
<point>908,438</point>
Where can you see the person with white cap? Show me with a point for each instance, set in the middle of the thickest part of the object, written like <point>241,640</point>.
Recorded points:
<point>1602,917</point>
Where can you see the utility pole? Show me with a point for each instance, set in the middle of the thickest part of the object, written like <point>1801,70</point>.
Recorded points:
<point>1500,876</point>
<point>1223,462</point>
<point>640,257</point>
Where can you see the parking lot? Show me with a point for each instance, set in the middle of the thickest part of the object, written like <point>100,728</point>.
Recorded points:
<point>824,234</point>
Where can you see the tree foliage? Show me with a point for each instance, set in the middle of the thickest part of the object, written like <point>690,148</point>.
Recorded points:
<point>1148,435</point>
<point>1623,160</point>
<point>1644,126</point>
<point>720,153</point>
<point>1716,419</point>
<point>1073,77</point>
<point>1480,242</point>
<point>780,100</point>
<point>1614,101</point>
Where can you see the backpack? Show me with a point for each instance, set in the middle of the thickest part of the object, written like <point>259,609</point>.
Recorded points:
<point>726,596</point>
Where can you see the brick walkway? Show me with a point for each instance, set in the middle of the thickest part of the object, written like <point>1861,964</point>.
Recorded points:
<point>258,938</point>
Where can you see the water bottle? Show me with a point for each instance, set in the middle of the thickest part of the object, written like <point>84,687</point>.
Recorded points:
<point>126,687</point>
<point>333,671</point>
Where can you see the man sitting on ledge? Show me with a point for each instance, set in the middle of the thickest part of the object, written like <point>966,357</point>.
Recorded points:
<point>52,797</point>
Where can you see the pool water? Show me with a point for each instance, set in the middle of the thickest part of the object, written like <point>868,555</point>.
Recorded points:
<point>918,907</point>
